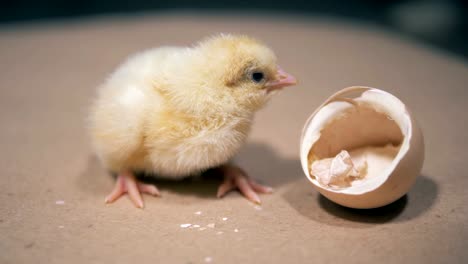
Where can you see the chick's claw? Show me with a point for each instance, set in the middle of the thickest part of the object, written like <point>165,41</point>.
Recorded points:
<point>127,183</point>
<point>235,177</point>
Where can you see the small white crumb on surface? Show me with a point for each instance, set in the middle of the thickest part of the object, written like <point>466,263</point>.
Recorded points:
<point>225,218</point>
<point>185,225</point>
<point>60,226</point>
<point>219,232</point>
<point>202,228</point>
<point>258,207</point>
<point>236,230</point>
<point>212,225</point>
<point>208,259</point>
<point>198,212</point>
<point>195,226</point>
<point>60,202</point>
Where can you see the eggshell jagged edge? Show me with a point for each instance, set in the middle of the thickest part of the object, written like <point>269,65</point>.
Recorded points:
<point>397,179</point>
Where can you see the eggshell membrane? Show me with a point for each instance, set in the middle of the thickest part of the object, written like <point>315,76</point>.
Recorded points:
<point>395,180</point>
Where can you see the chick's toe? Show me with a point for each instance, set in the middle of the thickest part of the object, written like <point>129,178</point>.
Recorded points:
<point>235,177</point>
<point>127,183</point>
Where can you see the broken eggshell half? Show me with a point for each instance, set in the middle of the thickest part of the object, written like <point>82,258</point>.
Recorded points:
<point>362,148</point>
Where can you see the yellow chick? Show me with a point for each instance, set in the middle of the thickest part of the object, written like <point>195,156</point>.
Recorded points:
<point>178,111</point>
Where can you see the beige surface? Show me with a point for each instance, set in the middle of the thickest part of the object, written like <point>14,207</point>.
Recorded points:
<point>48,74</point>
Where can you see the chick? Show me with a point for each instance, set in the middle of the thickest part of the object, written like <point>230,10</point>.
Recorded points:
<point>174,112</point>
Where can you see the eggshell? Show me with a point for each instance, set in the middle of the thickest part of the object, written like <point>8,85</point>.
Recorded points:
<point>362,117</point>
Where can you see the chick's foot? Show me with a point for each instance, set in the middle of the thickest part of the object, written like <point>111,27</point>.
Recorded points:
<point>235,177</point>
<point>127,183</point>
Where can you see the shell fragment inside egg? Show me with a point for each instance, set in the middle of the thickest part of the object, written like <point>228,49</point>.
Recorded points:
<point>348,168</point>
<point>338,171</point>
<point>362,148</point>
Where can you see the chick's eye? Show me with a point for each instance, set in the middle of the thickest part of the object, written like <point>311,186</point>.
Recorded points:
<point>257,76</point>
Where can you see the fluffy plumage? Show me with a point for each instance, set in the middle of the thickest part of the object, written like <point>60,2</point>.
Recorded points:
<point>176,111</point>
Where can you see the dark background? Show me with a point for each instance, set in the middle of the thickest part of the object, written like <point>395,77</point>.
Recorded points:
<point>440,23</point>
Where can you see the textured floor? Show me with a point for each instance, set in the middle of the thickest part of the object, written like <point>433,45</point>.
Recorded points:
<point>52,187</point>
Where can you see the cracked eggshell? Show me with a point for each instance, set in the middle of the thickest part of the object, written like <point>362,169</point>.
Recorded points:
<point>361,118</point>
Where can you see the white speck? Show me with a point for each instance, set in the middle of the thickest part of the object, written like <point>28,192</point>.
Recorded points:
<point>212,225</point>
<point>225,218</point>
<point>202,228</point>
<point>196,226</point>
<point>208,259</point>
<point>219,233</point>
<point>198,212</point>
<point>236,230</point>
<point>185,225</point>
<point>60,202</point>
<point>60,226</point>
<point>258,207</point>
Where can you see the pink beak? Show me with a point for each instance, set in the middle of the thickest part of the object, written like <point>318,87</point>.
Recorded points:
<point>283,79</point>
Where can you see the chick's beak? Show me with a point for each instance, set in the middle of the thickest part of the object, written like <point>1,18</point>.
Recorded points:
<point>283,79</point>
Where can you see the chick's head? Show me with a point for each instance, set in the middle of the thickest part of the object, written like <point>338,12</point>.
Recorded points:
<point>235,74</point>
